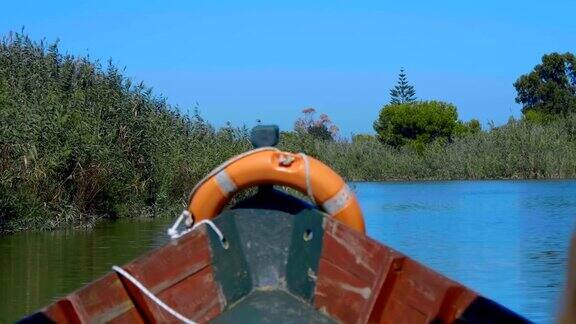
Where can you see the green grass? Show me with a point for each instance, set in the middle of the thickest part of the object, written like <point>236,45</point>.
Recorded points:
<point>80,142</point>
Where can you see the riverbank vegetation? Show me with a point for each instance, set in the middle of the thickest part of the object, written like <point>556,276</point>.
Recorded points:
<point>80,141</point>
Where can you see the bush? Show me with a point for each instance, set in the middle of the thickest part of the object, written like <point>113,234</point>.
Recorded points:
<point>321,128</point>
<point>537,116</point>
<point>361,138</point>
<point>416,123</point>
<point>467,128</point>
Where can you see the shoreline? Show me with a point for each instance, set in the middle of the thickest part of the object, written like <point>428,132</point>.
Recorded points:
<point>88,222</point>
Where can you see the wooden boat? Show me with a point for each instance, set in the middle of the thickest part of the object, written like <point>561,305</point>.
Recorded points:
<point>274,258</point>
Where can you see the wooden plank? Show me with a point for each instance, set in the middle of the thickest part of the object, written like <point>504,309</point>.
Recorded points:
<point>354,252</point>
<point>62,311</point>
<point>351,273</point>
<point>386,289</point>
<point>456,301</point>
<point>102,301</point>
<point>163,268</point>
<point>182,265</point>
<point>361,280</point>
<point>127,317</point>
<point>420,295</point>
<point>181,275</point>
<point>340,294</point>
<point>197,297</point>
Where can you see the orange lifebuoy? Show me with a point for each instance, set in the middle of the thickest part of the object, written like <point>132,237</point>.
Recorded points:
<point>270,166</point>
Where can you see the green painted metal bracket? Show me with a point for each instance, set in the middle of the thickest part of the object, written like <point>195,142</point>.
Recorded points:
<point>304,254</point>
<point>230,267</point>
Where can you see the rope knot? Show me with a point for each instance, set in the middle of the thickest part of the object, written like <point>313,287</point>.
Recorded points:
<point>188,219</point>
<point>286,160</point>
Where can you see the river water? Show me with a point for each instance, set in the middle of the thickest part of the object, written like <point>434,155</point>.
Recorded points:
<point>506,239</point>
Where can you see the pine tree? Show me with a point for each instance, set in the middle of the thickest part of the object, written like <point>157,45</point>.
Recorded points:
<point>402,92</point>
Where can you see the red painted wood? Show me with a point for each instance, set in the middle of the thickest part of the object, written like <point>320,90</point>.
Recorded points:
<point>180,274</point>
<point>385,291</point>
<point>162,268</point>
<point>210,314</point>
<point>351,272</point>
<point>196,297</point>
<point>62,311</point>
<point>360,280</point>
<point>354,252</point>
<point>101,301</point>
<point>424,294</point>
<point>456,300</point>
<point>128,317</point>
<point>340,294</point>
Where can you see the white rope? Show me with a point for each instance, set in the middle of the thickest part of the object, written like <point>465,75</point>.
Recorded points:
<point>151,295</point>
<point>173,230</point>
<point>215,229</point>
<point>174,234</point>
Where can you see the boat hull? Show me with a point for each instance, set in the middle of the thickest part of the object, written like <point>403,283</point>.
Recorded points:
<point>290,265</point>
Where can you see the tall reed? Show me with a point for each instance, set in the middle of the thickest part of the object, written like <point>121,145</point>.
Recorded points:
<point>80,141</point>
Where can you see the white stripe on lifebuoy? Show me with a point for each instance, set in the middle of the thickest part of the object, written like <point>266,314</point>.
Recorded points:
<point>337,202</point>
<point>225,183</point>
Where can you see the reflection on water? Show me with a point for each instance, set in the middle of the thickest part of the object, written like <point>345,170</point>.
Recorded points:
<point>506,239</point>
<point>36,268</point>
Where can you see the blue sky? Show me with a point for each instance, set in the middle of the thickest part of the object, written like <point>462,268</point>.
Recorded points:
<point>248,60</point>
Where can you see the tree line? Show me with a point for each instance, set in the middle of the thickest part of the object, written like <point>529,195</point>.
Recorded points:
<point>547,93</point>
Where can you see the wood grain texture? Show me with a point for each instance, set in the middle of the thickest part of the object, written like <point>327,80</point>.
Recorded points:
<point>360,280</point>
<point>424,295</point>
<point>351,272</point>
<point>180,274</point>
